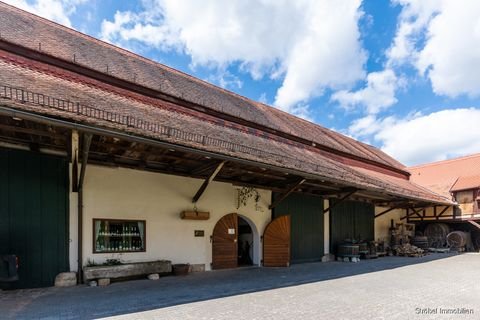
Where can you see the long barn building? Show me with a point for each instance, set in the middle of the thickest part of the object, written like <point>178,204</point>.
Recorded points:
<point>105,154</point>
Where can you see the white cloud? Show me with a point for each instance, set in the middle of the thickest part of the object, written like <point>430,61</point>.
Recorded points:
<point>263,98</point>
<point>424,138</point>
<point>368,126</point>
<point>56,10</point>
<point>440,38</point>
<point>328,55</point>
<point>225,79</point>
<point>451,56</point>
<point>412,22</point>
<point>378,94</point>
<point>312,44</point>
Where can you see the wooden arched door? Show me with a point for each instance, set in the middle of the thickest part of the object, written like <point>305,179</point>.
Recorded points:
<point>276,243</point>
<point>224,242</point>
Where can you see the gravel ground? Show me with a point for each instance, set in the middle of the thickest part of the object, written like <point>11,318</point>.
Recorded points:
<point>386,288</point>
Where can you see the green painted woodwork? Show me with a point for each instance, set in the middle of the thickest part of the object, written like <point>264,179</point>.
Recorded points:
<point>34,215</point>
<point>351,220</point>
<point>306,226</point>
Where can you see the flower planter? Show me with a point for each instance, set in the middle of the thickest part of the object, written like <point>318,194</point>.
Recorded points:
<point>181,269</point>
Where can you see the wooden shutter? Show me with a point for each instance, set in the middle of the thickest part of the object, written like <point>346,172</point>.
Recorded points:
<point>276,243</point>
<point>224,242</point>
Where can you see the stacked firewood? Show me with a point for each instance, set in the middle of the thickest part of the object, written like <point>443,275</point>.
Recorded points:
<point>408,250</point>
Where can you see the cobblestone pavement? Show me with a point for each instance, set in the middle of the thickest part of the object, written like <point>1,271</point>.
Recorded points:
<point>386,288</point>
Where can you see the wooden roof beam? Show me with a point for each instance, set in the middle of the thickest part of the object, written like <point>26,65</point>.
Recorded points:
<point>207,167</point>
<point>345,197</point>
<point>339,192</point>
<point>385,212</point>
<point>474,223</point>
<point>87,140</point>
<point>207,181</point>
<point>443,211</point>
<point>287,193</point>
<point>408,215</point>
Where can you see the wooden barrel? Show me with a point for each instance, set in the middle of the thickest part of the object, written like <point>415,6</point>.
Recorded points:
<point>437,234</point>
<point>348,250</point>
<point>420,242</point>
<point>457,239</point>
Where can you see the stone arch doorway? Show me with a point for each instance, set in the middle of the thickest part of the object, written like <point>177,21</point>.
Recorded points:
<point>230,236</point>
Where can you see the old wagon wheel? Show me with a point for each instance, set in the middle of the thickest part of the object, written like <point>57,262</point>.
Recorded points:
<point>437,234</point>
<point>456,239</point>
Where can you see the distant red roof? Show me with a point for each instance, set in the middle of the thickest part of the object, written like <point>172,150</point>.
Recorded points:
<point>466,183</point>
<point>448,175</point>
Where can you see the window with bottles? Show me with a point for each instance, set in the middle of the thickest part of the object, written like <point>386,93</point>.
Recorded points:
<point>118,236</point>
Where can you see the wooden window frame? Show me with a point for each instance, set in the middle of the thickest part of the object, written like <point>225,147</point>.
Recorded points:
<point>94,236</point>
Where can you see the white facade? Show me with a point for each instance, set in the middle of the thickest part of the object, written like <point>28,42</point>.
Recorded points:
<point>119,193</point>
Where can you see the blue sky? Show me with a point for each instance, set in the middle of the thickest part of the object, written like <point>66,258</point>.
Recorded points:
<point>403,75</point>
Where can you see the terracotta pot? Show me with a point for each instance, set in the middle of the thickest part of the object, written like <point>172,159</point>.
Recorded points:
<point>181,269</point>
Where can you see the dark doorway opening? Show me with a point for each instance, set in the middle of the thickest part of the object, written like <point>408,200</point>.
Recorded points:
<point>245,243</point>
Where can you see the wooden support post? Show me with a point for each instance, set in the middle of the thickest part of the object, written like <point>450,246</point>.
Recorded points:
<point>408,215</point>
<point>287,193</point>
<point>345,197</point>
<point>417,213</point>
<point>74,159</point>
<point>443,211</point>
<point>208,167</point>
<point>87,140</point>
<point>205,184</point>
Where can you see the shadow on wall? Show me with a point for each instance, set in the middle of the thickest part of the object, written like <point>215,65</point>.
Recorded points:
<point>142,295</point>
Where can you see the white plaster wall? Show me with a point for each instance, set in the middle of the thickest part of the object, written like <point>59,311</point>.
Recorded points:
<point>326,227</point>
<point>120,193</point>
<point>382,223</point>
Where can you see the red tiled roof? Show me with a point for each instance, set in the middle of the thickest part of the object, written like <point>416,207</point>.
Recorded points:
<point>398,182</point>
<point>220,138</point>
<point>465,183</point>
<point>442,176</point>
<point>38,34</point>
<point>93,102</point>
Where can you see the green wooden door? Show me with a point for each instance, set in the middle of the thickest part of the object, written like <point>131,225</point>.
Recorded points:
<point>34,215</point>
<point>351,220</point>
<point>306,214</point>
